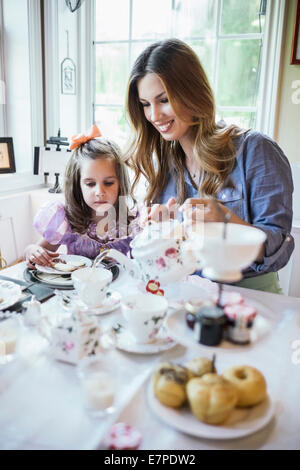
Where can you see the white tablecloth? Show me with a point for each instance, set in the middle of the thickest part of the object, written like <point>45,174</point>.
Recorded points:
<point>41,406</point>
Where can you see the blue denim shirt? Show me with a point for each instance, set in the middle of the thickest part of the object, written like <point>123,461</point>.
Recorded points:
<point>262,196</point>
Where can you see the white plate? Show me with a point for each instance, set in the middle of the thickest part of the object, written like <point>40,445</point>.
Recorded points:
<point>111,302</point>
<point>241,422</point>
<point>54,279</point>
<point>68,259</point>
<point>178,329</point>
<point>126,341</point>
<point>10,293</point>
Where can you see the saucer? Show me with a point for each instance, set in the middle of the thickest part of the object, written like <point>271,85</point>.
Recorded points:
<point>126,341</point>
<point>111,302</point>
<point>10,293</point>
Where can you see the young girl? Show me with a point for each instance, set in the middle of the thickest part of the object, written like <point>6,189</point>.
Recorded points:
<point>95,178</point>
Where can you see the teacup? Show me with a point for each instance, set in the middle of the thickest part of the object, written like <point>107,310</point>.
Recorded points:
<point>223,259</point>
<point>91,285</point>
<point>144,314</point>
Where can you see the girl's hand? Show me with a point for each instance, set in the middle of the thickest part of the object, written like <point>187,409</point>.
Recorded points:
<point>204,210</point>
<point>159,212</point>
<point>35,254</point>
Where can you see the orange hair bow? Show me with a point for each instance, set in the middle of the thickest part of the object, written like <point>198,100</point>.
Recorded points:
<point>80,139</point>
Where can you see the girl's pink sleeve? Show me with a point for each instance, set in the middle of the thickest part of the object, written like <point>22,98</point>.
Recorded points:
<point>51,223</point>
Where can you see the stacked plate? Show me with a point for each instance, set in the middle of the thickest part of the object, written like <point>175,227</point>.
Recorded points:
<point>58,279</point>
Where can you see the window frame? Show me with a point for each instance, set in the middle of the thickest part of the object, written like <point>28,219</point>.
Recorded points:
<point>2,73</point>
<point>25,179</point>
<point>267,98</point>
<point>270,64</point>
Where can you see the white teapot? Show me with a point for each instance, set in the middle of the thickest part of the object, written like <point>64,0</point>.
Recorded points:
<point>160,252</point>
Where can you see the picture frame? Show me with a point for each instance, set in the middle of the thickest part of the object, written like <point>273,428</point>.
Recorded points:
<point>7,157</point>
<point>295,55</point>
<point>68,77</point>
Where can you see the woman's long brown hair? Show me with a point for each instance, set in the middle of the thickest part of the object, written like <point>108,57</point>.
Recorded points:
<point>189,93</point>
<point>78,213</point>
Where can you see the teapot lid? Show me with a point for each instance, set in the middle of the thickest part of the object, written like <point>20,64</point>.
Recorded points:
<point>154,231</point>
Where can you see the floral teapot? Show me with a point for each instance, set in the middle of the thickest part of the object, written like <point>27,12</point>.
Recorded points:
<point>160,252</point>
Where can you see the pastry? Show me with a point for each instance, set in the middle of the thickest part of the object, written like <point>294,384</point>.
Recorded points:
<point>1,300</point>
<point>211,398</point>
<point>201,365</point>
<point>56,261</point>
<point>250,383</point>
<point>169,381</point>
<point>65,268</point>
<point>68,267</point>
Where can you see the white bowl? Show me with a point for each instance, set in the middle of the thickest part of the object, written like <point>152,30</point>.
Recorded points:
<point>224,259</point>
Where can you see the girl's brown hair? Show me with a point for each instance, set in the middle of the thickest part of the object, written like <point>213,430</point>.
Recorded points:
<point>189,92</point>
<point>78,213</point>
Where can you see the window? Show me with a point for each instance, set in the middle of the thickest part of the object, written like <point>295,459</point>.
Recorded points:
<point>21,101</point>
<point>227,35</point>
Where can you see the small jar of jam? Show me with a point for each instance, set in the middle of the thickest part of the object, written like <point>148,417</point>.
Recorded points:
<point>209,325</point>
<point>240,320</point>
<point>192,307</point>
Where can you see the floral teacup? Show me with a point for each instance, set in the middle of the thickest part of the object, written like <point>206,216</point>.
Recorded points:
<point>144,314</point>
<point>91,285</point>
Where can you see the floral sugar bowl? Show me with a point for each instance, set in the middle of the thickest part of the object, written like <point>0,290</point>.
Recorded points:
<point>76,337</point>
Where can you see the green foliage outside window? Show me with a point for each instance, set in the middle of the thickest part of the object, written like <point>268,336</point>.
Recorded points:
<point>229,47</point>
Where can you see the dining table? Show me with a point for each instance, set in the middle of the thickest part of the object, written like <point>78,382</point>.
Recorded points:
<point>41,402</point>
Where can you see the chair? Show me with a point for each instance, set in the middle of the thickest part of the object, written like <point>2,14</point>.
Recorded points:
<point>3,262</point>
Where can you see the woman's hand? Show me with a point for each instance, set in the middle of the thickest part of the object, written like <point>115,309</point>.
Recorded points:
<point>204,210</point>
<point>36,254</point>
<point>159,212</point>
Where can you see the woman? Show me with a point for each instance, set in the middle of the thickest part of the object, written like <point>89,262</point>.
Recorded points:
<point>186,156</point>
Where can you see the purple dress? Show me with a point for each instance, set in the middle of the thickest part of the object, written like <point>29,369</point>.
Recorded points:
<point>51,222</point>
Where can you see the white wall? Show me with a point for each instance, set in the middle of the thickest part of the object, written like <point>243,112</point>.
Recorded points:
<point>288,112</point>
